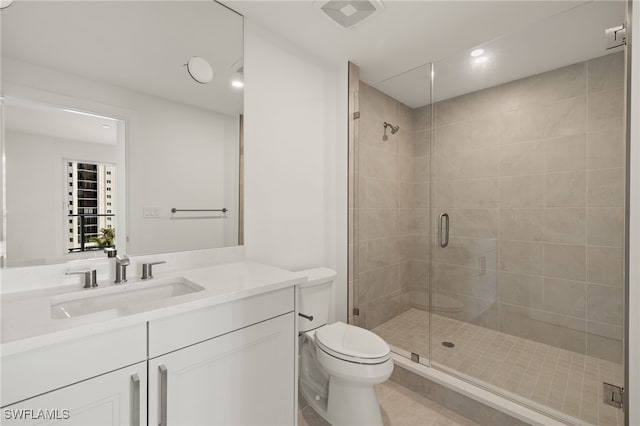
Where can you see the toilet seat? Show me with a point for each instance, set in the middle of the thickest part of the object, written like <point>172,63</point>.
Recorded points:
<point>353,344</point>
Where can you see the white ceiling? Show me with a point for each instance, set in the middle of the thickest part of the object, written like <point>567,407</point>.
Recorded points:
<point>408,34</point>
<point>572,36</point>
<point>133,44</point>
<point>57,123</point>
<point>139,45</point>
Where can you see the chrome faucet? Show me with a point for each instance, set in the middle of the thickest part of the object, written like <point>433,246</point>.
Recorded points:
<point>121,269</point>
<point>147,271</point>
<point>89,277</point>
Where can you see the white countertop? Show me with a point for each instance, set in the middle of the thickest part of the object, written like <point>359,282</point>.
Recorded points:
<point>26,317</point>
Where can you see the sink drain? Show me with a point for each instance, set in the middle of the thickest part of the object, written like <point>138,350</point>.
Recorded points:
<point>448,345</point>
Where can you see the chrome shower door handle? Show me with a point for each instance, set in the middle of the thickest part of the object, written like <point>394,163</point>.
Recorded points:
<point>163,395</point>
<point>443,237</point>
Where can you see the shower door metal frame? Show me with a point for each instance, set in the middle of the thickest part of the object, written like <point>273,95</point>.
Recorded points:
<point>354,309</point>
<point>630,196</point>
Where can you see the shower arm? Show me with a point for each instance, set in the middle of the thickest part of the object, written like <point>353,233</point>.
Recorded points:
<point>394,129</point>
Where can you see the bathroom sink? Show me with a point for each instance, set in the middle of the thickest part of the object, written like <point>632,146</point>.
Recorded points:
<point>102,299</point>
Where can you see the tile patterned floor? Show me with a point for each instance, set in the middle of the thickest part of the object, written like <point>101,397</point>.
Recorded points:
<point>565,381</point>
<point>400,407</point>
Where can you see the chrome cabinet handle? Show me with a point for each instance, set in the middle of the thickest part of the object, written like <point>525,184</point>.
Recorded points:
<point>163,395</point>
<point>443,239</point>
<point>135,399</point>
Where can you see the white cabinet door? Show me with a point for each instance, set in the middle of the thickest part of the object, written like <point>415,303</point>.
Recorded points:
<point>241,378</point>
<point>116,398</point>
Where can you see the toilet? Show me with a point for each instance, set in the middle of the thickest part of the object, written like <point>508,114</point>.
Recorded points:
<point>339,364</point>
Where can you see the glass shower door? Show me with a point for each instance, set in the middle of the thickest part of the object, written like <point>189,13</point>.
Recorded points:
<point>390,238</point>
<point>465,195</point>
<point>407,331</point>
<point>528,178</point>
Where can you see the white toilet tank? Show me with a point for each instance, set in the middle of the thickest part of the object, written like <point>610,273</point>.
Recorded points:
<point>314,298</point>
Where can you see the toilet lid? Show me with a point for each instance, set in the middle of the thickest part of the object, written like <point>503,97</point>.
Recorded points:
<point>352,343</point>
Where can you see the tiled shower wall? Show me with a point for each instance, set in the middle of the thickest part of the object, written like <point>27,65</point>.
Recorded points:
<point>387,195</point>
<point>532,175</point>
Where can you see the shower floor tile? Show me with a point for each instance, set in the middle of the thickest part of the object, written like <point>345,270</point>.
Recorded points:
<point>565,381</point>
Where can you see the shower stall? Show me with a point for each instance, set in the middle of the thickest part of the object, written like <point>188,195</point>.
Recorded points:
<point>487,225</point>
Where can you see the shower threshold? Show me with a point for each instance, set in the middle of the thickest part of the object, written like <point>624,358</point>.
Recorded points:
<point>485,397</point>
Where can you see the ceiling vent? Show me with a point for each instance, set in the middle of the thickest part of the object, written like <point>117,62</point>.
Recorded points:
<point>348,14</point>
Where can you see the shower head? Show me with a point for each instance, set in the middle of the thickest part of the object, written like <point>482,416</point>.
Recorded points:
<point>394,130</point>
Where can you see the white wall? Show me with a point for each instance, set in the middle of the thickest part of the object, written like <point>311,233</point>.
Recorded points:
<point>633,368</point>
<point>295,159</point>
<point>180,162</point>
<point>176,158</point>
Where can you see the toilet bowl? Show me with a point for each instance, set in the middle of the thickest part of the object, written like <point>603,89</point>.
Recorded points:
<point>339,363</point>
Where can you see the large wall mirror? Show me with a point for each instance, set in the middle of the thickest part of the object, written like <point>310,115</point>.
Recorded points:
<point>122,127</point>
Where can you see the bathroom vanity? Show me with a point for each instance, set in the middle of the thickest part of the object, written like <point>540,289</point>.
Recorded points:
<point>224,354</point>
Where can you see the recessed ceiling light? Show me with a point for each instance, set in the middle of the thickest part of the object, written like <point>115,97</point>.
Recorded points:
<point>237,76</point>
<point>237,79</point>
<point>106,126</point>
<point>477,52</point>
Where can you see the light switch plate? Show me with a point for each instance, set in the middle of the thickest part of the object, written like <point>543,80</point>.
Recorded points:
<point>151,212</point>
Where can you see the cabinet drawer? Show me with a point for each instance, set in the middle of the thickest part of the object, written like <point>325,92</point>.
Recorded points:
<point>169,334</point>
<point>41,370</point>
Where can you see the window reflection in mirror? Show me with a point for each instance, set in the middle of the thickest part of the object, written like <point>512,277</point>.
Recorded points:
<point>91,204</point>
<point>61,183</point>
